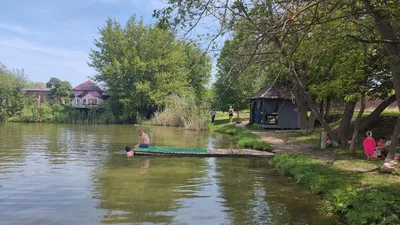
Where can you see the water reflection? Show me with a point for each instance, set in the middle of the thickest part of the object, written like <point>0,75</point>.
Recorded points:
<point>255,193</point>
<point>131,195</point>
<point>144,163</point>
<point>73,174</point>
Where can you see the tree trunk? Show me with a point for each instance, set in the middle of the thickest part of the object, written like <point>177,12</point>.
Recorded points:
<point>306,123</point>
<point>395,140</point>
<point>352,149</point>
<point>345,123</point>
<point>321,108</point>
<point>367,121</point>
<point>328,108</point>
<point>251,113</point>
<point>307,97</point>
<point>311,123</point>
<point>388,32</point>
<point>313,106</point>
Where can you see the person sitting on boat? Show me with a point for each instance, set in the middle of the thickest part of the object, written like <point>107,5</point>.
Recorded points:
<point>129,152</point>
<point>144,140</point>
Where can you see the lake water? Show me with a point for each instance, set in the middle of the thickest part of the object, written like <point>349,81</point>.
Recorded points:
<point>78,174</point>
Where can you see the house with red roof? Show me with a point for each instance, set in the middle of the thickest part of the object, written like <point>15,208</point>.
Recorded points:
<point>39,93</point>
<point>87,94</point>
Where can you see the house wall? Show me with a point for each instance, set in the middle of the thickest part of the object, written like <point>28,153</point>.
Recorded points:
<point>44,95</point>
<point>287,114</point>
<point>79,101</point>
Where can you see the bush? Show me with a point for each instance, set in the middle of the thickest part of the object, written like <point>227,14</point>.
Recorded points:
<point>56,113</point>
<point>182,113</point>
<point>244,138</point>
<point>360,204</point>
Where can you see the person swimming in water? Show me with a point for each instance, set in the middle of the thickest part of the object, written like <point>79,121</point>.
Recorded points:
<point>129,152</point>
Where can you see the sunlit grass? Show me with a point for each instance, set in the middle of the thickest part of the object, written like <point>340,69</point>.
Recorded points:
<point>243,138</point>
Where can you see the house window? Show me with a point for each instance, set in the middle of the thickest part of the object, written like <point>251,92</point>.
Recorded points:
<point>78,101</point>
<point>94,101</point>
<point>84,101</point>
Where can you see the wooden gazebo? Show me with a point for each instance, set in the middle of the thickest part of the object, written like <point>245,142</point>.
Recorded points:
<point>274,107</point>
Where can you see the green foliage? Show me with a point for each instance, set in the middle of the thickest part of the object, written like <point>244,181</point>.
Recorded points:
<point>60,90</point>
<point>141,65</point>
<point>243,138</point>
<point>49,112</point>
<point>11,92</point>
<point>183,112</point>
<point>359,203</point>
<point>328,50</point>
<point>233,85</point>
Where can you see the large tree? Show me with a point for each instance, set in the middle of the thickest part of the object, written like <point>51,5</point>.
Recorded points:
<point>60,91</point>
<point>312,39</point>
<point>142,64</point>
<point>235,83</point>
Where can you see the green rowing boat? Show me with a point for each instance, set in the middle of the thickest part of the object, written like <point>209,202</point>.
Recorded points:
<point>160,149</point>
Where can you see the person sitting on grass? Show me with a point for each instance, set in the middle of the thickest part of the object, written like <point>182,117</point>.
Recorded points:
<point>383,146</point>
<point>381,142</point>
<point>369,146</point>
<point>144,140</point>
<point>129,152</point>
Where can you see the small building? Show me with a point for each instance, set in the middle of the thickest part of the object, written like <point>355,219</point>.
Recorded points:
<point>274,107</point>
<point>39,93</point>
<point>87,94</point>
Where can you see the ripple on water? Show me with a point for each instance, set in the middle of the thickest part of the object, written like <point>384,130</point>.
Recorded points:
<point>73,174</point>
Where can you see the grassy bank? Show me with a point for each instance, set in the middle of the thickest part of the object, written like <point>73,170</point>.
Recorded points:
<point>243,138</point>
<point>363,196</point>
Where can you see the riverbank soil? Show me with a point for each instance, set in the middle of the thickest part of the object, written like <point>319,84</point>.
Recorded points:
<point>283,142</point>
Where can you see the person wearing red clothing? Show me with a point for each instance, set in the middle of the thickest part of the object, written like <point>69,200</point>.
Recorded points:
<point>369,145</point>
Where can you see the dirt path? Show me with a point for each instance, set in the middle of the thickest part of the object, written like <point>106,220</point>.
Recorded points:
<point>279,142</point>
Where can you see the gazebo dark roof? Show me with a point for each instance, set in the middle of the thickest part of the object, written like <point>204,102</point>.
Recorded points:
<point>87,86</point>
<point>273,92</point>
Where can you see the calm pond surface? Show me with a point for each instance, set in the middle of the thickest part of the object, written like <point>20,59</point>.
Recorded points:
<point>78,174</point>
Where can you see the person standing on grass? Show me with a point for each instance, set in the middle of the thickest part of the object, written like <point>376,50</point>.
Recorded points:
<point>369,145</point>
<point>212,113</point>
<point>230,111</point>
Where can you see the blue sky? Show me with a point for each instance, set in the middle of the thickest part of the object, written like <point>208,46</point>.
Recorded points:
<point>52,38</point>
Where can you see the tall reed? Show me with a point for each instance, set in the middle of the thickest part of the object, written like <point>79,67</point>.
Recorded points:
<point>184,113</point>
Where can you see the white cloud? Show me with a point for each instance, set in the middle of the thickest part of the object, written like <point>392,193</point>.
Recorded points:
<point>30,46</point>
<point>16,29</point>
<point>43,61</point>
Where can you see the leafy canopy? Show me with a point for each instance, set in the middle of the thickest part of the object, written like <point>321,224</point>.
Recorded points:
<point>142,64</point>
